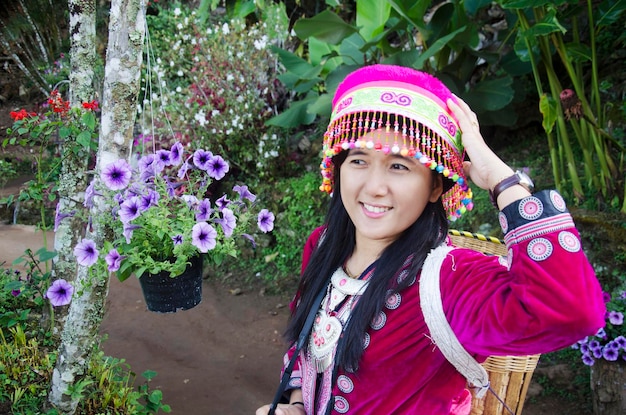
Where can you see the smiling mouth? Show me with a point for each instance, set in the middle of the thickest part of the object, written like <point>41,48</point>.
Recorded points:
<point>375,209</point>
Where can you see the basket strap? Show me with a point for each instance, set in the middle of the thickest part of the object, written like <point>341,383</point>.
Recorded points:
<point>440,330</point>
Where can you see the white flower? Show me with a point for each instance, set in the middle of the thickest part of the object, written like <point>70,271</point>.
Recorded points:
<point>158,61</point>
<point>177,11</point>
<point>178,89</point>
<point>225,28</point>
<point>179,26</point>
<point>200,118</point>
<point>229,77</point>
<point>215,113</point>
<point>179,73</point>
<point>261,43</point>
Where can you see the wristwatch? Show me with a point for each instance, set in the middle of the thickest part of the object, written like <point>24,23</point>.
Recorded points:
<point>518,178</point>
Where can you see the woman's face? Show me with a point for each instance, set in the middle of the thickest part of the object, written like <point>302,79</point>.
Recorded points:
<point>384,194</point>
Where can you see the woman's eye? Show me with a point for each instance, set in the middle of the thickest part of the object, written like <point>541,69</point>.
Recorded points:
<point>398,166</point>
<point>357,161</point>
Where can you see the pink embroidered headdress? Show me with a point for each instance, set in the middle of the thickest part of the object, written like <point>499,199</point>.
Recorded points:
<point>412,105</point>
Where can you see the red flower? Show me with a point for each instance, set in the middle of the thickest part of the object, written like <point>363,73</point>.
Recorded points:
<point>21,114</point>
<point>57,103</point>
<point>92,106</point>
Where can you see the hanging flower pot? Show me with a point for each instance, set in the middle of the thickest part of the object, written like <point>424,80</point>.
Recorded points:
<point>164,294</point>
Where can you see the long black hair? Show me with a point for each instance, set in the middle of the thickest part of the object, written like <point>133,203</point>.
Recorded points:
<point>335,247</point>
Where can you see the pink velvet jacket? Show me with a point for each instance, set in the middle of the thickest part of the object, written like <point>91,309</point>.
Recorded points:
<point>542,297</point>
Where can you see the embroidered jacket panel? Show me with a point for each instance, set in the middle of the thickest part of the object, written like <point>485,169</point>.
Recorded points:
<point>542,297</point>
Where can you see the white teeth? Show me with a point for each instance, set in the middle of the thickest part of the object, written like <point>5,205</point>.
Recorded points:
<point>375,209</point>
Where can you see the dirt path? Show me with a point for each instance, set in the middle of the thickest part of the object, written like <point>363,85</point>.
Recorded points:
<point>221,357</point>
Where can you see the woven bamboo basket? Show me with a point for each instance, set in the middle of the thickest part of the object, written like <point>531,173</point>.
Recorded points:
<point>509,376</point>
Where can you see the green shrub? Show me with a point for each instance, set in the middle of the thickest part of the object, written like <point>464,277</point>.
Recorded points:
<point>301,207</point>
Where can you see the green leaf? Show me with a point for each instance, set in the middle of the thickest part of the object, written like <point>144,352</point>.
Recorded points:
<point>326,26</point>
<point>64,132</point>
<point>413,12</point>
<point>610,12</point>
<point>84,139</point>
<point>371,16</point>
<point>436,47</point>
<point>45,255</point>
<point>297,114</point>
<point>318,53</point>
<point>89,119</point>
<point>549,24</point>
<point>528,4</point>
<point>491,95</point>
<point>578,52</point>
<point>243,9</point>
<point>322,106</point>
<point>472,6</point>
<point>149,374</point>
<point>292,62</point>
<point>547,107</point>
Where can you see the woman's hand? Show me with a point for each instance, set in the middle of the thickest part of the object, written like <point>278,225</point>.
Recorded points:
<point>485,169</point>
<point>282,409</point>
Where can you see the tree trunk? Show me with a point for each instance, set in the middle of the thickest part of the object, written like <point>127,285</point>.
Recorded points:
<point>608,387</point>
<point>121,88</point>
<point>73,179</point>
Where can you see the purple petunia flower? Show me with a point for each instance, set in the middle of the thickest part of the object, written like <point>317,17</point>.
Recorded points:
<point>113,260</point>
<point>60,293</point>
<point>146,201</point>
<point>116,175</point>
<point>176,153</point>
<point>621,342</point>
<point>178,239</point>
<point>204,210</point>
<point>228,222</point>
<point>203,237</point>
<point>601,333</point>
<point>201,159</point>
<point>217,168</point>
<point>244,193</point>
<point>129,209</point>
<point>59,216</point>
<point>222,202</point>
<point>249,238</point>
<point>164,157</point>
<point>610,352</point>
<point>128,231</point>
<point>86,252</point>
<point>15,293</point>
<point>183,170</point>
<point>90,192</point>
<point>191,201</point>
<point>616,318</point>
<point>606,297</point>
<point>149,166</point>
<point>588,360</point>
<point>265,221</point>
<point>596,349</point>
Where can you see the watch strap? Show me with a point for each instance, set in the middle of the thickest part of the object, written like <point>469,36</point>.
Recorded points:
<point>510,181</point>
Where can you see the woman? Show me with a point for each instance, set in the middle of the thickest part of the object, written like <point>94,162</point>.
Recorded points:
<point>394,165</point>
